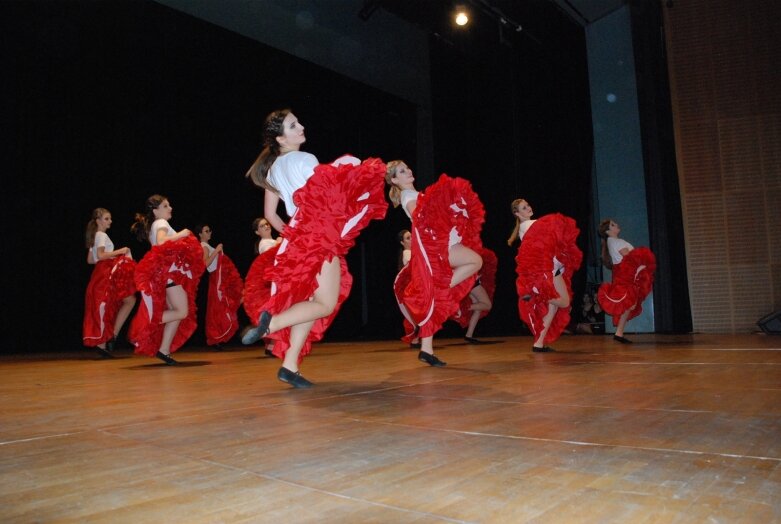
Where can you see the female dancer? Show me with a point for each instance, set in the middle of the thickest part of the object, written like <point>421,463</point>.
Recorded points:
<point>167,277</point>
<point>446,223</point>
<point>225,290</point>
<point>265,240</point>
<point>546,260</point>
<point>405,253</point>
<point>111,291</point>
<point>480,297</point>
<point>257,290</point>
<point>328,205</point>
<point>633,277</point>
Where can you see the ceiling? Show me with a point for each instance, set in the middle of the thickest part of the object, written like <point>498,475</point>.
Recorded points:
<point>585,12</point>
<point>432,14</point>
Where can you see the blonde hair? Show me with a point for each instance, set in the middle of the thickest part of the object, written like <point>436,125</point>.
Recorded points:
<point>514,208</point>
<point>92,225</point>
<point>394,193</point>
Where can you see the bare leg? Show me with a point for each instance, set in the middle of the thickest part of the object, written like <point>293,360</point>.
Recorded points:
<point>298,334</point>
<point>480,303</point>
<point>427,345</point>
<point>176,298</point>
<point>464,262</point>
<point>301,317</point>
<point>553,306</point>
<point>124,311</point>
<point>546,321</point>
<point>622,323</point>
<point>321,305</point>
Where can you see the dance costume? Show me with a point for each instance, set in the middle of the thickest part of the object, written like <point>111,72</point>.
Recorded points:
<point>633,279</point>
<point>548,247</point>
<point>172,263</point>
<point>487,279</point>
<point>110,283</point>
<point>225,291</point>
<point>447,213</point>
<point>257,290</point>
<point>329,205</point>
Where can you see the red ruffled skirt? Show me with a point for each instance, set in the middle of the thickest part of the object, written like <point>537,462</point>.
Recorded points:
<point>257,290</point>
<point>333,207</point>
<point>180,261</point>
<point>487,280</point>
<point>110,283</point>
<point>551,236</point>
<point>403,279</point>
<point>225,292</point>
<point>633,280</point>
<point>424,294</point>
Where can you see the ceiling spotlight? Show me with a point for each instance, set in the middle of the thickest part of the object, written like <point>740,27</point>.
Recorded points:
<point>462,17</point>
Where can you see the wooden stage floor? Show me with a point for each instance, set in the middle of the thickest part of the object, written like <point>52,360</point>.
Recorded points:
<point>669,429</point>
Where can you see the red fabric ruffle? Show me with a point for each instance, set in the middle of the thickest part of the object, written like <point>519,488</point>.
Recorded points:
<point>487,280</point>
<point>257,290</point>
<point>333,207</point>
<point>180,261</point>
<point>427,297</point>
<point>551,236</point>
<point>225,292</point>
<point>633,279</point>
<point>401,282</point>
<point>110,283</point>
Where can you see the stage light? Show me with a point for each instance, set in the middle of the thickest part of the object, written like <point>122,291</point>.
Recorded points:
<point>461,16</point>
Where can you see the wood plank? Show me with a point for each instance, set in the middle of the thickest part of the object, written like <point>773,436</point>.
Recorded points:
<point>671,428</point>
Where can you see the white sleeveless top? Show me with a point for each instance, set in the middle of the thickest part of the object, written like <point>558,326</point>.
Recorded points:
<point>211,267</point>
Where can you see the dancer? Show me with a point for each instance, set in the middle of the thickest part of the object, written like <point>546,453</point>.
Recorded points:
<point>405,253</point>
<point>110,295</point>
<point>265,240</point>
<point>446,223</point>
<point>257,290</point>
<point>633,277</point>
<point>167,277</point>
<point>328,206</point>
<point>480,298</point>
<point>225,291</point>
<point>547,258</point>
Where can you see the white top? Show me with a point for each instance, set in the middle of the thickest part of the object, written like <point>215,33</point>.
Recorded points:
<point>525,225</point>
<point>614,246</point>
<point>265,244</point>
<point>407,196</point>
<point>158,224</point>
<point>406,255</point>
<point>289,173</point>
<point>101,240</point>
<point>211,267</point>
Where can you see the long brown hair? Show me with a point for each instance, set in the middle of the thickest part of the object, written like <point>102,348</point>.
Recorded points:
<point>92,225</point>
<point>514,208</point>
<point>603,227</point>
<point>143,222</point>
<point>273,127</point>
<point>394,193</point>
